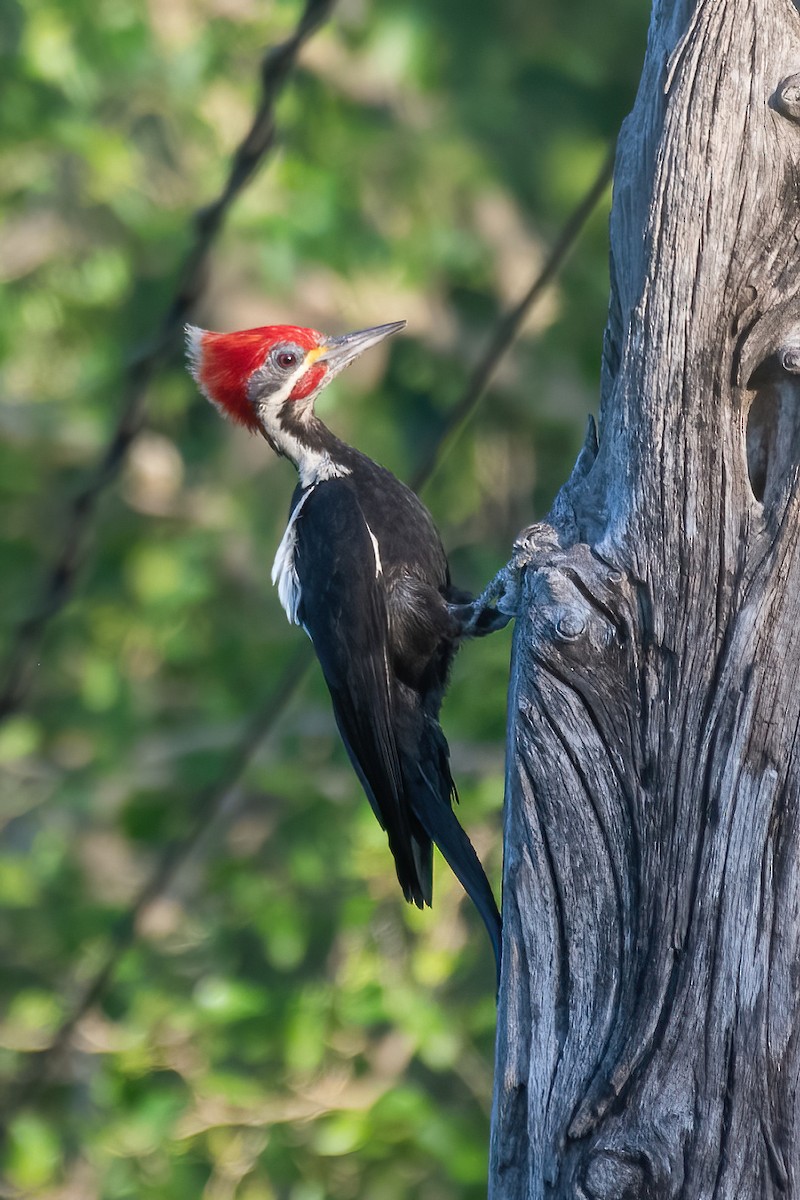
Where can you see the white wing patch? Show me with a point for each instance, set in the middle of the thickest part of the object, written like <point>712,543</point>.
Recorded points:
<point>284,573</point>
<point>378,563</point>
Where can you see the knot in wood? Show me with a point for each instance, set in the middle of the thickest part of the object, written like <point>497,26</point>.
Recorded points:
<point>771,347</point>
<point>564,609</point>
<point>610,1176</point>
<point>787,98</point>
<point>570,625</point>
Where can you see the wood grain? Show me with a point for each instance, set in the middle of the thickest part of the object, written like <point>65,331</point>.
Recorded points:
<point>648,1023</point>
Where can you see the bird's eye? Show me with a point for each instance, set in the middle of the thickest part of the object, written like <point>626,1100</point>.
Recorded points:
<point>286,359</point>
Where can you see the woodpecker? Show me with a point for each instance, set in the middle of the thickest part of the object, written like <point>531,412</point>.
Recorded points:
<point>362,569</point>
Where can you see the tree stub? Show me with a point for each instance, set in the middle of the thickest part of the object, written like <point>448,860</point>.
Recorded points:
<point>648,1036</point>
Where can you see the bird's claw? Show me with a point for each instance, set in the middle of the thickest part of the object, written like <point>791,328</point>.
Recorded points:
<point>500,601</point>
<point>493,609</point>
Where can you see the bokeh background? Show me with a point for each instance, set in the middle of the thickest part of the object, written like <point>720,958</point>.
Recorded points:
<point>271,1021</point>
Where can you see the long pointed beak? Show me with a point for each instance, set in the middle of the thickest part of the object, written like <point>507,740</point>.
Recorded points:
<point>339,352</point>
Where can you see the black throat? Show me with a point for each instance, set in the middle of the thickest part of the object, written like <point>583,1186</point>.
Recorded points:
<point>313,435</point>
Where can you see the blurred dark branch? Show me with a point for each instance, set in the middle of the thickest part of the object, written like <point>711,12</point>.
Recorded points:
<point>212,801</point>
<point>208,807</point>
<point>509,325</point>
<point>63,576</point>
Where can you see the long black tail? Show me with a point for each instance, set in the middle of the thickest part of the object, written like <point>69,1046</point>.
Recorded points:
<point>432,809</point>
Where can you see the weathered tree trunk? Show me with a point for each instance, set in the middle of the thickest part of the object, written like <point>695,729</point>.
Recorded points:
<point>649,1032</point>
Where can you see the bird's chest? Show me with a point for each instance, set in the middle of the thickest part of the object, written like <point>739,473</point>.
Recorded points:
<point>339,552</point>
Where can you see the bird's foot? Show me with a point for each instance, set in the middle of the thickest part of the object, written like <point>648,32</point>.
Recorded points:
<point>492,610</point>
<point>499,602</point>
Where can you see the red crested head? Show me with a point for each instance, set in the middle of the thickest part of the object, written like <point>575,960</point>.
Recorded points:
<point>268,379</point>
<point>224,363</point>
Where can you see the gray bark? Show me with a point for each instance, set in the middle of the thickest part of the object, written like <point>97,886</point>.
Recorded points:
<point>649,1037</point>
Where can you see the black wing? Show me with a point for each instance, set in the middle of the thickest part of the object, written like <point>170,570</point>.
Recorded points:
<point>343,609</point>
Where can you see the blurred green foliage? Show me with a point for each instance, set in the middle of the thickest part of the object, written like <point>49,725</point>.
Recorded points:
<point>283,1026</point>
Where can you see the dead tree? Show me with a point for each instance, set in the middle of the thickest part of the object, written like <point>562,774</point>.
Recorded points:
<point>648,1029</point>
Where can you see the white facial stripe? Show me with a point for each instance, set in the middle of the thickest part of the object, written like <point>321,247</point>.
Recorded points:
<point>273,402</point>
<point>312,465</point>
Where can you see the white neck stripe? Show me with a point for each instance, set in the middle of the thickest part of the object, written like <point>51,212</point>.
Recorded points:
<point>312,465</point>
